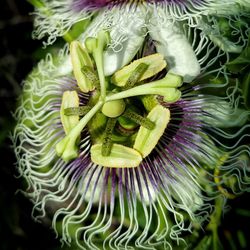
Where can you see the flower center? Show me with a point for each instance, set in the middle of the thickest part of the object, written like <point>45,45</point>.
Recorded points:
<point>123,115</point>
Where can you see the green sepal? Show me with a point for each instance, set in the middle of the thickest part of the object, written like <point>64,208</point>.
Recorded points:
<point>241,62</point>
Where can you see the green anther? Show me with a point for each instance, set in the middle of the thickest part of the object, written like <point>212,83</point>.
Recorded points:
<point>91,75</point>
<point>146,139</point>
<point>120,156</point>
<point>155,63</point>
<point>143,121</point>
<point>96,47</point>
<point>136,75</point>
<point>70,100</point>
<point>107,142</point>
<point>79,111</point>
<point>79,59</point>
<point>114,108</point>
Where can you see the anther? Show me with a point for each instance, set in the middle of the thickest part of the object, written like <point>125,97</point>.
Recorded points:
<point>136,75</point>
<point>107,141</point>
<point>80,111</point>
<point>143,121</point>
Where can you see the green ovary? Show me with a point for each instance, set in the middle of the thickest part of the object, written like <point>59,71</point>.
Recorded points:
<point>113,108</point>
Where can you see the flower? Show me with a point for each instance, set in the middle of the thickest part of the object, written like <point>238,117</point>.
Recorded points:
<point>126,139</point>
<point>122,157</point>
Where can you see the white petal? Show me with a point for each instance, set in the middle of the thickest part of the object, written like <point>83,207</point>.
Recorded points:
<point>171,41</point>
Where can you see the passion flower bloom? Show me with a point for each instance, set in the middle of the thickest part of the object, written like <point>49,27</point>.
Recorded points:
<point>125,160</point>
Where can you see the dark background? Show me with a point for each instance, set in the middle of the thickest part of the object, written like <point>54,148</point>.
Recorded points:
<point>18,54</point>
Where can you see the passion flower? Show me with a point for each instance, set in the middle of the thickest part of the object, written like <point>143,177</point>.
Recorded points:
<point>114,157</point>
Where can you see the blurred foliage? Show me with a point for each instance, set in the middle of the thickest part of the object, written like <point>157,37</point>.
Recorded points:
<point>18,231</point>
<point>241,67</point>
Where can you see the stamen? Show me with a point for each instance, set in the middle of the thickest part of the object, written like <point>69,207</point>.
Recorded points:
<point>120,156</point>
<point>146,139</point>
<point>91,75</point>
<point>143,121</point>
<point>107,141</point>
<point>80,111</point>
<point>136,75</point>
<point>69,99</point>
<point>155,62</point>
<point>80,59</point>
